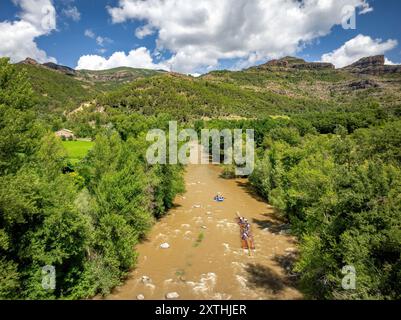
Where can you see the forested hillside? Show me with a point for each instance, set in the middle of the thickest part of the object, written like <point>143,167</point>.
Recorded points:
<point>59,89</point>
<point>258,92</point>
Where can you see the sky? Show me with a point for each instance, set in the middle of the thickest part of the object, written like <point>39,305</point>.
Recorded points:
<point>197,36</point>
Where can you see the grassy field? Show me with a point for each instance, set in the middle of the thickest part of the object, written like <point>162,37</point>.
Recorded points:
<point>77,150</point>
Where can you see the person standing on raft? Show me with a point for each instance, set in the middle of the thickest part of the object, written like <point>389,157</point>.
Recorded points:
<point>245,228</point>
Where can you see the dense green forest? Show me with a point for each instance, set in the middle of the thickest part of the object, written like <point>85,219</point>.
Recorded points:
<point>84,221</point>
<point>341,193</point>
<point>328,158</point>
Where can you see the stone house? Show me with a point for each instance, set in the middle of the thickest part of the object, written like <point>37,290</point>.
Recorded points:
<point>66,134</point>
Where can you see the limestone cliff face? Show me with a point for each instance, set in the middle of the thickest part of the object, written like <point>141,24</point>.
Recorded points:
<point>373,65</point>
<point>30,61</point>
<point>289,63</point>
<point>314,66</point>
<point>370,65</point>
<point>276,63</point>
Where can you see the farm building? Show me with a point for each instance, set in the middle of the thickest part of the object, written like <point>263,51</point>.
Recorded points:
<point>66,134</point>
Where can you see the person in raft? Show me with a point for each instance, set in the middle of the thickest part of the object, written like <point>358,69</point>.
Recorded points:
<point>219,197</point>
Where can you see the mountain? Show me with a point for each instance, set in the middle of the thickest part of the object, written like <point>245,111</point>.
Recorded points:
<point>61,89</point>
<point>278,87</point>
<point>288,63</point>
<point>63,69</point>
<point>49,65</point>
<point>56,91</point>
<point>117,76</point>
<point>374,66</point>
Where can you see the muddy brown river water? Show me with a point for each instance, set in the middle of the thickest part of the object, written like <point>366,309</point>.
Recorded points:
<point>205,259</point>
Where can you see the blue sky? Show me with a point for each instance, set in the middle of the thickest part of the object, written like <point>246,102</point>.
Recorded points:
<point>196,36</point>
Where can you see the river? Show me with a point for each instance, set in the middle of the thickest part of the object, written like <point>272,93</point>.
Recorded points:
<point>205,259</point>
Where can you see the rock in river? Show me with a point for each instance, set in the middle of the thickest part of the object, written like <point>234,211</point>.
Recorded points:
<point>165,245</point>
<point>172,295</point>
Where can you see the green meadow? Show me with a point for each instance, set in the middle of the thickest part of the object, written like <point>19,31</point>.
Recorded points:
<point>77,150</point>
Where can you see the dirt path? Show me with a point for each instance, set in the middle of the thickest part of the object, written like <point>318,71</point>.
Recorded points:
<point>205,260</point>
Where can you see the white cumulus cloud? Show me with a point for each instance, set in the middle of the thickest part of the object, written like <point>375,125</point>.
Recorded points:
<point>17,38</point>
<point>138,58</point>
<point>101,41</point>
<point>144,31</point>
<point>72,13</point>
<point>390,63</point>
<point>89,33</point>
<point>359,47</point>
<point>201,33</point>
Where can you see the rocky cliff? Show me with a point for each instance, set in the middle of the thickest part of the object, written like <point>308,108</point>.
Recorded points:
<point>373,66</point>
<point>288,63</point>
<point>30,61</point>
